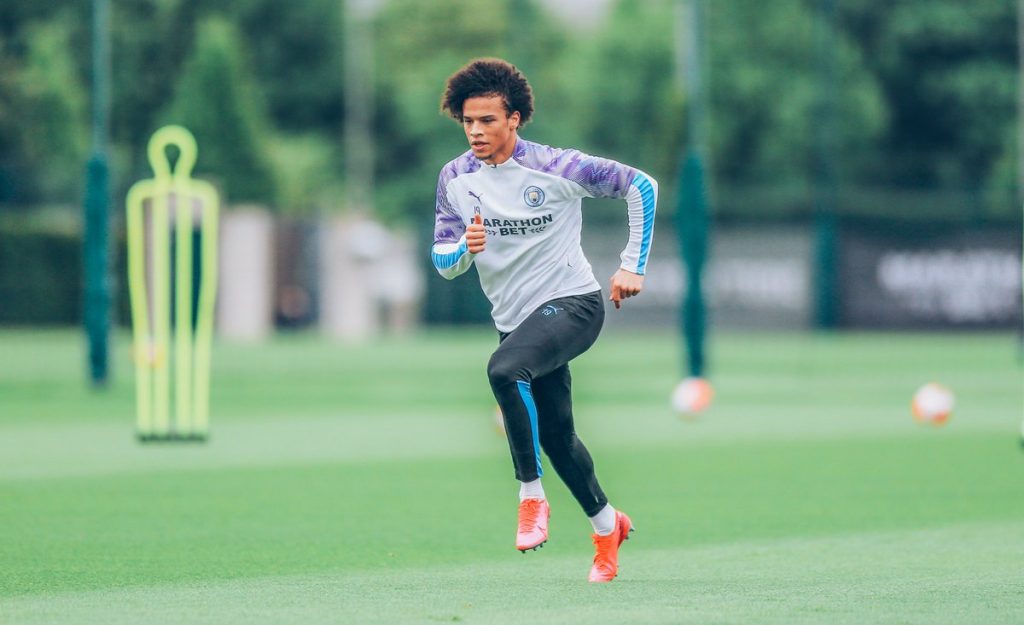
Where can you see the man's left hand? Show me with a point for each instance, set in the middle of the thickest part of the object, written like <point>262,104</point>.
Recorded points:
<point>625,284</point>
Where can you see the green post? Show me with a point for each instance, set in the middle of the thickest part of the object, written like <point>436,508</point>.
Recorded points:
<point>692,214</point>
<point>96,257</point>
<point>825,176</point>
<point>1020,161</point>
<point>693,239</point>
<point>1020,167</point>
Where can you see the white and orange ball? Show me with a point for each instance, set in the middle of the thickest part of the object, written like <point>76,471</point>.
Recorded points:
<point>932,403</point>
<point>692,396</point>
<point>499,421</point>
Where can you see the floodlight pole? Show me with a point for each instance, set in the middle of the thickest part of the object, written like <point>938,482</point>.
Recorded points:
<point>692,215</point>
<point>358,134</point>
<point>96,209</point>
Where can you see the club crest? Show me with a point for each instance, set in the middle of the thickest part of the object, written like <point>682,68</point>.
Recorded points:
<point>533,196</point>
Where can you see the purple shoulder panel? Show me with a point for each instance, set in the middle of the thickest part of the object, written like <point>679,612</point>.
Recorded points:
<point>601,177</point>
<point>448,225</point>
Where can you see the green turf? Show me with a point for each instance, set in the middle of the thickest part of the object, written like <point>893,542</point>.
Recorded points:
<point>367,485</point>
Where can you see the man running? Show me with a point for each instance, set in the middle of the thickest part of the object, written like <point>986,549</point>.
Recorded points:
<point>513,207</point>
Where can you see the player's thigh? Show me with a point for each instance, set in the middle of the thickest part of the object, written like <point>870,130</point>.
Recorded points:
<point>554,334</point>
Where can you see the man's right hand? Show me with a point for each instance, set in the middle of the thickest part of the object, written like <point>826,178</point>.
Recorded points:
<point>476,238</point>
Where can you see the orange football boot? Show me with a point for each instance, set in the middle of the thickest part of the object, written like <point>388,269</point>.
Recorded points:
<point>606,558</point>
<point>533,524</point>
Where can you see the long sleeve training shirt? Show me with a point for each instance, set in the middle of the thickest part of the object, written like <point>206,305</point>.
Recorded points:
<point>530,206</point>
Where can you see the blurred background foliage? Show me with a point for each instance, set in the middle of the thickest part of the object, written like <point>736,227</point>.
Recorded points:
<point>925,92</point>
<point>217,99</point>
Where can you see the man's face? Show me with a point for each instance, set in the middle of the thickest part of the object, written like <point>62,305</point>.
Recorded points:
<point>490,129</point>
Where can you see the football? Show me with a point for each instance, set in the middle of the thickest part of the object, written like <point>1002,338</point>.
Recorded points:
<point>692,396</point>
<point>932,403</point>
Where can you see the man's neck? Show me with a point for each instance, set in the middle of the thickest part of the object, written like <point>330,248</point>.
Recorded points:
<point>499,158</point>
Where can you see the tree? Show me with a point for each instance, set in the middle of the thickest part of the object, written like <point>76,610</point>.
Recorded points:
<point>12,161</point>
<point>48,118</point>
<point>624,99</point>
<point>296,54</point>
<point>58,114</point>
<point>217,100</point>
<point>948,70</point>
<point>765,86</point>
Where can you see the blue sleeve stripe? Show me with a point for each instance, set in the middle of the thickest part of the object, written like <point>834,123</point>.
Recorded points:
<point>643,184</point>
<point>449,260</point>
<point>531,409</point>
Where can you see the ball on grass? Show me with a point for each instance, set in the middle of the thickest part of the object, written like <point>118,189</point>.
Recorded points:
<point>692,396</point>
<point>499,421</point>
<point>932,404</point>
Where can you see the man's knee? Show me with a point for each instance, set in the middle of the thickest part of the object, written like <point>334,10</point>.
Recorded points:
<point>502,371</point>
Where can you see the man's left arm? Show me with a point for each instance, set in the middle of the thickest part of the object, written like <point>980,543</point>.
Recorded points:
<point>602,177</point>
<point>641,205</point>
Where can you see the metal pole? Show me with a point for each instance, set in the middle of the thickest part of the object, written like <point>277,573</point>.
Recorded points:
<point>358,137</point>
<point>1020,159</point>
<point>692,215</point>
<point>96,257</point>
<point>1020,154</point>
<point>825,174</point>
<point>693,65</point>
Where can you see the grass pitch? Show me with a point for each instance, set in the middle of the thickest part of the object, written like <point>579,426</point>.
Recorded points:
<point>368,485</point>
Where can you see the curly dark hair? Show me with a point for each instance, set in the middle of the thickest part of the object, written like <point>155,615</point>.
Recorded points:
<point>488,77</point>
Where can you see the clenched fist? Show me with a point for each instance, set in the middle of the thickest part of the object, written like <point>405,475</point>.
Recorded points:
<point>625,284</point>
<point>476,238</point>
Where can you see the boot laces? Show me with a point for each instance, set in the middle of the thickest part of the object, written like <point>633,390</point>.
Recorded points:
<point>604,547</point>
<point>529,514</point>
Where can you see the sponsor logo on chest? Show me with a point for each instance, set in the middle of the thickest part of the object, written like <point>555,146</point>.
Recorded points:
<point>533,197</point>
<point>517,227</point>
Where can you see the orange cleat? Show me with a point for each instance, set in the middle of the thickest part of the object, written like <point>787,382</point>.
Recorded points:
<point>533,524</point>
<point>606,558</point>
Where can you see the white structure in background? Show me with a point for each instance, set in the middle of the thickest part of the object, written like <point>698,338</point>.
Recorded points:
<point>399,283</point>
<point>585,14</point>
<point>370,275</point>
<point>348,247</point>
<point>246,296</point>
<point>351,244</point>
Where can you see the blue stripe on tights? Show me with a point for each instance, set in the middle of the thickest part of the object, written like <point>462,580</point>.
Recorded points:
<point>531,409</point>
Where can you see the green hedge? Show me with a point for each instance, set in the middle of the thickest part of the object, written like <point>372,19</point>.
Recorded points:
<point>41,277</point>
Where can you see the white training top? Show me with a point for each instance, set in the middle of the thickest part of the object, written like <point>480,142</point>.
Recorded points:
<point>530,206</point>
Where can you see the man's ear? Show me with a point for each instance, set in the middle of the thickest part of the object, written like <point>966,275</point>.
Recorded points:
<point>513,120</point>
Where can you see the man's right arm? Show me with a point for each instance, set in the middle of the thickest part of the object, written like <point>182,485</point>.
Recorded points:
<point>450,252</point>
<point>451,259</point>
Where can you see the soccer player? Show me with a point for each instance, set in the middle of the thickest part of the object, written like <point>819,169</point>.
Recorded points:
<point>513,207</point>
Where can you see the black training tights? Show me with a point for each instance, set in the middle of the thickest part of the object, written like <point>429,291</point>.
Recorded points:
<point>529,374</point>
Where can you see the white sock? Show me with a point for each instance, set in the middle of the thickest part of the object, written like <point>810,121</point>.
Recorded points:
<point>531,490</point>
<point>604,521</point>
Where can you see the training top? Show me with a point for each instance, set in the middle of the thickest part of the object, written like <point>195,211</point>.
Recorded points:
<point>531,211</point>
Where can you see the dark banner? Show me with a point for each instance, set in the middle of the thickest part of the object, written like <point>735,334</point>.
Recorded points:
<point>934,279</point>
